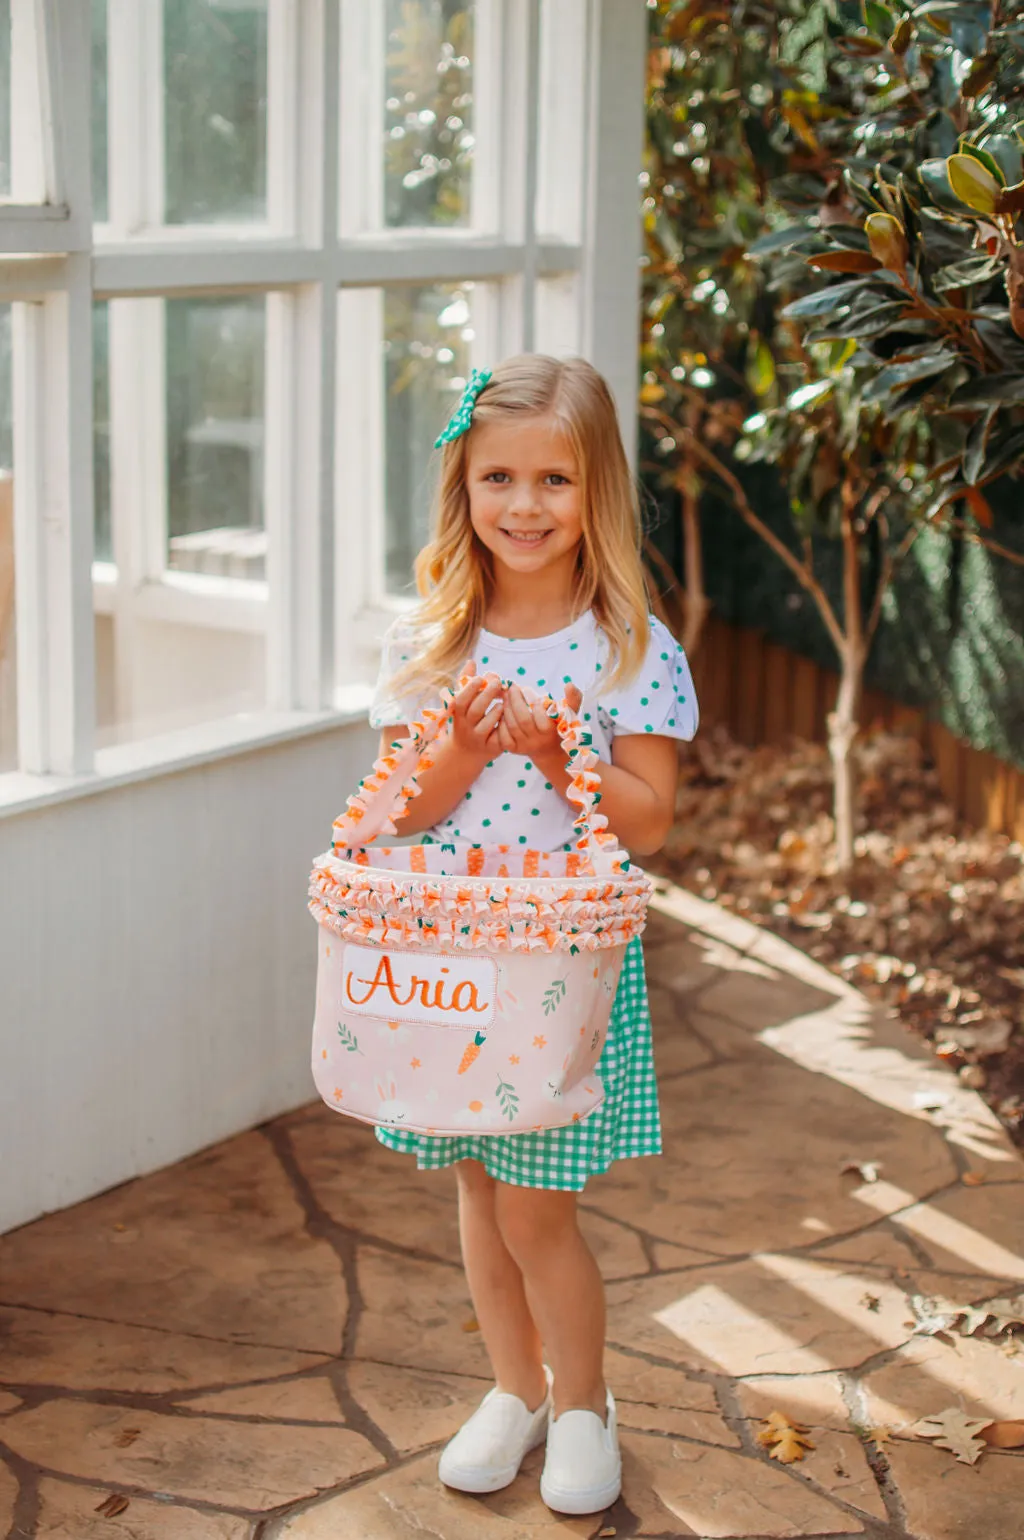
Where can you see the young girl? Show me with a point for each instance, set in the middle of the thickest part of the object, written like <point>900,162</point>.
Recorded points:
<point>534,575</point>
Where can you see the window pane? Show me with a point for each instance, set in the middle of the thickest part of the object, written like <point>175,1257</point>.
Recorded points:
<point>5,98</point>
<point>215,436</point>
<point>215,105</point>
<point>428,332</point>
<point>428,124</point>
<point>100,207</point>
<point>8,658</point>
<point>103,548</point>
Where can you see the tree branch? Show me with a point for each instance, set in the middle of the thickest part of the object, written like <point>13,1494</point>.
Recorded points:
<point>804,576</point>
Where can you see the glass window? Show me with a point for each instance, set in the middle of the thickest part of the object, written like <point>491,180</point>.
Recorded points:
<point>428,123</point>
<point>215,111</point>
<point>8,657</point>
<point>5,98</point>
<point>215,436</point>
<point>100,205</point>
<point>428,332</point>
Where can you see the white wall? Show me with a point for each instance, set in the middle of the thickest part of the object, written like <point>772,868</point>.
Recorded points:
<point>157,965</point>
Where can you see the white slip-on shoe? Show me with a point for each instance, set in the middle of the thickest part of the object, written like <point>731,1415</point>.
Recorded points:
<point>583,1469</point>
<point>486,1453</point>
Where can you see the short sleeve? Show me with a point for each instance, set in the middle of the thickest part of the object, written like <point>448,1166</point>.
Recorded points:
<point>389,708</point>
<point>660,698</point>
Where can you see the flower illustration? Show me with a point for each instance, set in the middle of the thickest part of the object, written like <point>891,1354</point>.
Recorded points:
<point>474,1114</point>
<point>513,1058</point>
<point>394,1032</point>
<point>338,1093</point>
<point>415,1064</point>
<point>540,1042</point>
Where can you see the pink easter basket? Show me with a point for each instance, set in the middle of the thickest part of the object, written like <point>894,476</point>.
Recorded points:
<point>468,988</point>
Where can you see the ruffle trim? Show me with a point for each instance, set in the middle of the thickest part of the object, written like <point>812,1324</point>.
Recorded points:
<point>431,912</point>
<point>392,784</point>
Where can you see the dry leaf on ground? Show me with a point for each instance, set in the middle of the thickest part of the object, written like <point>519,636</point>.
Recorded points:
<point>111,1506</point>
<point>936,1317</point>
<point>867,1170</point>
<point>955,1431</point>
<point>1005,1435</point>
<point>785,1440</point>
<point>930,922</point>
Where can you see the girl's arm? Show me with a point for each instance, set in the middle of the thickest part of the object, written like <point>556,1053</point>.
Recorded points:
<point>638,789</point>
<point>457,759</point>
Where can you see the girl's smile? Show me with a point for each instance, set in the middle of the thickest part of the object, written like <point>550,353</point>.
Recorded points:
<point>525,494</point>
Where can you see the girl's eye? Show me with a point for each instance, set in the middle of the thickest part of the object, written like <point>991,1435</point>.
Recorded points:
<point>558,480</point>
<point>499,476</point>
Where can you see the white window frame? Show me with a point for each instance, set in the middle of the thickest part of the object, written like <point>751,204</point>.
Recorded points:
<point>574,286</point>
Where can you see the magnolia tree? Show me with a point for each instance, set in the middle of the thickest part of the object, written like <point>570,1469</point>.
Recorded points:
<point>718,133</point>
<point>895,391</point>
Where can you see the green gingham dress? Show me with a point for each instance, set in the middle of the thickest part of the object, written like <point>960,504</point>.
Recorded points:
<point>511,795</point>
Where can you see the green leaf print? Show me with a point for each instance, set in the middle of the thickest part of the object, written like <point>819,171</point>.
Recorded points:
<point>508,1101</point>
<point>553,996</point>
<point>348,1039</point>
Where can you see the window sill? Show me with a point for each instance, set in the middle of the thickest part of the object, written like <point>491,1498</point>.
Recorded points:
<point>204,744</point>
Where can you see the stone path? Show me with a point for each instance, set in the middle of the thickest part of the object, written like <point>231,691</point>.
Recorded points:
<point>270,1341</point>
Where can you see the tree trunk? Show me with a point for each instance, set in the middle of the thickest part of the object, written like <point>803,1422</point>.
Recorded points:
<point>843,724</point>
<point>844,721</point>
<point>698,605</point>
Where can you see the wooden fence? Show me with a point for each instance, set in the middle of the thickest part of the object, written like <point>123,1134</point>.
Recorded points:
<point>764,692</point>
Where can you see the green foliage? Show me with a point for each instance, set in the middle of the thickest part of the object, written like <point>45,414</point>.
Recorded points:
<point>428,144</point>
<point>915,198</point>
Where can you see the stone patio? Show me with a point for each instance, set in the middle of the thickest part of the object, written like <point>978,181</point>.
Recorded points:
<point>271,1340</point>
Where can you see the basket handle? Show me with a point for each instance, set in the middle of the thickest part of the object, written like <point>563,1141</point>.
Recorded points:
<point>384,794</point>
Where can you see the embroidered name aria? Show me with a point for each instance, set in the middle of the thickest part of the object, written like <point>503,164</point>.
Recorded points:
<point>384,979</point>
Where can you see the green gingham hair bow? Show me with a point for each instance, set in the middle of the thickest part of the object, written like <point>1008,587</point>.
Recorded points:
<point>461,419</point>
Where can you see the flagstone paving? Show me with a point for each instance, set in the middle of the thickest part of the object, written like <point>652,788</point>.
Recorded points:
<point>271,1340</point>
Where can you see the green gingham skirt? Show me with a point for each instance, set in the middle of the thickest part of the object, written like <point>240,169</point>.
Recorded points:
<point>626,1124</point>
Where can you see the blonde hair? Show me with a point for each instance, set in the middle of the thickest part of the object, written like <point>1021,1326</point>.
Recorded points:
<point>454,572</point>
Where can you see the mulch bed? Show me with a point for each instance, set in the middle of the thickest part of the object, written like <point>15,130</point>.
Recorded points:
<point>930,922</point>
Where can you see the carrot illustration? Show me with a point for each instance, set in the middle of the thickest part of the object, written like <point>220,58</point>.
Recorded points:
<point>531,860</point>
<point>472,1052</point>
<point>475,862</point>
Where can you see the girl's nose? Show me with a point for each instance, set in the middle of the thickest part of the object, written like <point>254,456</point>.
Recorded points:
<point>524,500</point>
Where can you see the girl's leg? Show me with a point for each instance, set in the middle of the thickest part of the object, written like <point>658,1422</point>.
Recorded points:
<point>564,1289</point>
<point>496,1285</point>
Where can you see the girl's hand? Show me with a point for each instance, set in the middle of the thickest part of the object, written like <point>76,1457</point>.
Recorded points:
<point>476,718</point>
<point>528,730</point>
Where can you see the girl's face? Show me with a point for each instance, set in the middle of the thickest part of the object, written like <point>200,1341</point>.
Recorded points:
<point>525,498</point>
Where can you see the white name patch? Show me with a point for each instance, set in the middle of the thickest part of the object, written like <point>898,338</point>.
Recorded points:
<point>435,989</point>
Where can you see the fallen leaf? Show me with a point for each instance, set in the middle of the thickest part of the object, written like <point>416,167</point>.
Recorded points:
<point>879,1435</point>
<point>111,1506</point>
<point>126,1436</point>
<point>1005,1435</point>
<point>936,1316</point>
<point>607,1534</point>
<point>871,1302</point>
<point>471,1324</point>
<point>867,1170</point>
<point>785,1440</point>
<point>955,1431</point>
<point>973,1178</point>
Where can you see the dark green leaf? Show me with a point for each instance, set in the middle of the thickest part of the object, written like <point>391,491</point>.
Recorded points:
<point>781,240</point>
<point>895,376</point>
<point>879,19</point>
<point>1001,388</point>
<point>1004,455</point>
<point>962,274</point>
<point>977,442</point>
<point>985,158</point>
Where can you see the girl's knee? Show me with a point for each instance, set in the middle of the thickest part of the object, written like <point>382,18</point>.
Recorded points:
<point>532,1221</point>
